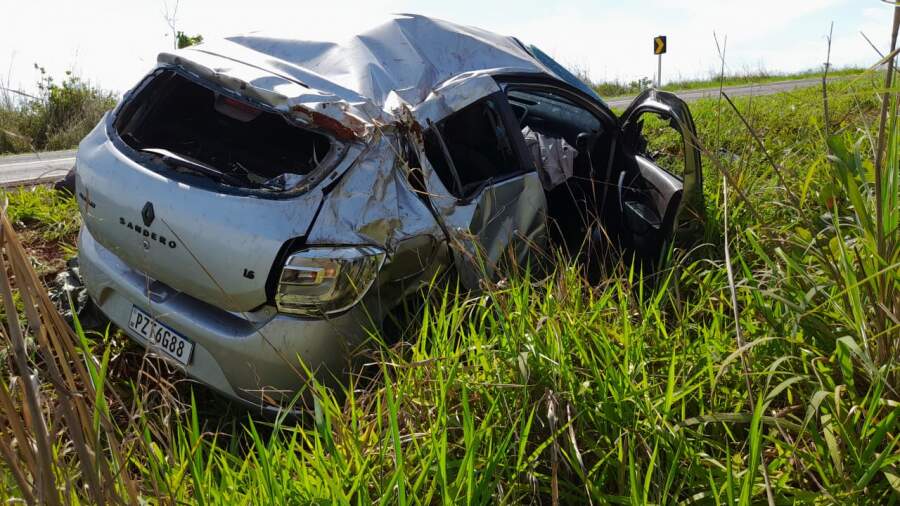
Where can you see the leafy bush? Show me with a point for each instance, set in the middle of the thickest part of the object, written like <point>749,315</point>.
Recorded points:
<point>618,88</point>
<point>57,118</point>
<point>183,40</point>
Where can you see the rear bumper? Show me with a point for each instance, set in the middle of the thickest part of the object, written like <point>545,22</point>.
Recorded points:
<point>242,355</point>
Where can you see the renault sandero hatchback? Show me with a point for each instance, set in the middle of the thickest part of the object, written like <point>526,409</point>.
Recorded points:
<point>256,206</point>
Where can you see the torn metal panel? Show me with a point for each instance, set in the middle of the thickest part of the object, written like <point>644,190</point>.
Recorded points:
<point>312,107</point>
<point>373,204</point>
<point>453,96</point>
<point>401,61</point>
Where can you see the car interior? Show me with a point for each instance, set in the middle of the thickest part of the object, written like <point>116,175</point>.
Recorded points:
<point>574,205</point>
<point>242,145</point>
<point>616,198</point>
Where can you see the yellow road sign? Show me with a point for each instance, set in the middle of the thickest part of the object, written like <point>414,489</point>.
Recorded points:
<point>659,44</point>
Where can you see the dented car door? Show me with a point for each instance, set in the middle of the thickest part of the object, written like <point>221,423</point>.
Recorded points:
<point>497,208</point>
<point>508,223</point>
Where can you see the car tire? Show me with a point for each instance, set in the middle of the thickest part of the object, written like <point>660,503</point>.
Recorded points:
<point>67,183</point>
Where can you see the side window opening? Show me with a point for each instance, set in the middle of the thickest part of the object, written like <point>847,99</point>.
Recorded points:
<point>478,144</point>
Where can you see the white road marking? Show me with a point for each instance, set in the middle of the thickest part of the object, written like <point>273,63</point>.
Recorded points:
<point>38,162</point>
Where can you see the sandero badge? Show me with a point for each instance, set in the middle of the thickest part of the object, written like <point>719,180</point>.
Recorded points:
<point>314,187</point>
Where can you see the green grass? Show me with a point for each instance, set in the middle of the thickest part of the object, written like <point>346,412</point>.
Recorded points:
<point>47,222</point>
<point>756,78</point>
<point>614,89</point>
<point>547,388</point>
<point>51,214</point>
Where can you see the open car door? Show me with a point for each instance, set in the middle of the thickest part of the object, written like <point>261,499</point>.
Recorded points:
<point>482,183</point>
<point>659,195</point>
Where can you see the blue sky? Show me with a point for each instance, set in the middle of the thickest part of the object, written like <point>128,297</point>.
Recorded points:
<point>114,42</point>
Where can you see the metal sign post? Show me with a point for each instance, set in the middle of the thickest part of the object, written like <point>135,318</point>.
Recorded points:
<point>659,49</point>
<point>659,72</point>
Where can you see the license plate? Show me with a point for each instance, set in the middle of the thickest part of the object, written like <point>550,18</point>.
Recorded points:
<point>160,337</point>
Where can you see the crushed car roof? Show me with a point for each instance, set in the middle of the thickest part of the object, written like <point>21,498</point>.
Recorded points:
<point>363,79</point>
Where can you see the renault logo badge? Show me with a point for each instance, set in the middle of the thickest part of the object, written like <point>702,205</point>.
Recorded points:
<point>147,214</point>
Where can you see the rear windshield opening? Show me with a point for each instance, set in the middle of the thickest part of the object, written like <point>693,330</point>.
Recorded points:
<point>196,130</point>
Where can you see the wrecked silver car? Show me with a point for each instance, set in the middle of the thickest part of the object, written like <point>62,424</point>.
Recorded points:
<point>255,201</point>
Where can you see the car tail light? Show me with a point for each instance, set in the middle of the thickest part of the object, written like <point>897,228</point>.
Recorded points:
<point>324,281</point>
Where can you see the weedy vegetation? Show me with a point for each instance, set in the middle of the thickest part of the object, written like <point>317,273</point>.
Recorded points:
<point>760,76</point>
<point>58,116</point>
<point>46,222</point>
<point>618,88</point>
<point>762,366</point>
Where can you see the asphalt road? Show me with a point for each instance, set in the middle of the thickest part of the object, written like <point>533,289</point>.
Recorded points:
<point>35,168</point>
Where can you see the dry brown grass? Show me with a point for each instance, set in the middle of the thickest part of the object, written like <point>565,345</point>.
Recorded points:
<point>55,428</point>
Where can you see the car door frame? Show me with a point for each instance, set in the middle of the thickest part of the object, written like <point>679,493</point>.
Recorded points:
<point>687,222</point>
<point>511,207</point>
<point>690,215</point>
<point>594,245</point>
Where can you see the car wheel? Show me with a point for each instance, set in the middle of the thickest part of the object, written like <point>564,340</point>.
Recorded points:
<point>66,184</point>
